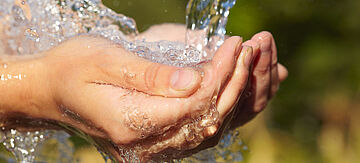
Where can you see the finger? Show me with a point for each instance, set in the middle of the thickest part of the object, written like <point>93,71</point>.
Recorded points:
<point>218,71</point>
<point>274,80</point>
<point>283,72</point>
<point>224,59</point>
<point>262,72</point>
<point>239,79</point>
<point>167,31</point>
<point>132,72</point>
<point>217,74</point>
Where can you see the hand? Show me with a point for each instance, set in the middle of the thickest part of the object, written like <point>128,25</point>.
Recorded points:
<point>264,79</point>
<point>96,86</point>
<point>265,76</point>
<point>88,84</point>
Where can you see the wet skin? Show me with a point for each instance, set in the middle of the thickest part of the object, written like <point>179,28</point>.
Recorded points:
<point>98,87</point>
<point>264,78</point>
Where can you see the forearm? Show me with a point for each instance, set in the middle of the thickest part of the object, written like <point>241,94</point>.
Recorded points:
<point>23,86</point>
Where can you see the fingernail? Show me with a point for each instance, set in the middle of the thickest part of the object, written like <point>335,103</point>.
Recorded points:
<point>182,79</point>
<point>238,47</point>
<point>247,55</point>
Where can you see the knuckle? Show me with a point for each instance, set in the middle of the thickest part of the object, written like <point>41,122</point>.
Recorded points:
<point>261,71</point>
<point>260,105</point>
<point>263,66</point>
<point>150,75</point>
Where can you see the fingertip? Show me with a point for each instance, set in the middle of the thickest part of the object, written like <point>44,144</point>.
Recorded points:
<point>235,39</point>
<point>238,46</point>
<point>224,59</point>
<point>283,72</point>
<point>230,47</point>
<point>252,43</point>
<point>255,47</point>
<point>264,39</point>
<point>262,35</point>
<point>247,56</point>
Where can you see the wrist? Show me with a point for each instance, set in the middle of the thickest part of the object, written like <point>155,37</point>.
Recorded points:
<point>24,86</point>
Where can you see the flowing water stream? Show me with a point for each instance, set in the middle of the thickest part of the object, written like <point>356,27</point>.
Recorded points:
<point>50,22</point>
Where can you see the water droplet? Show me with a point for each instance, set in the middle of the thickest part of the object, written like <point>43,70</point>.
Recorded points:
<point>22,144</point>
<point>18,14</point>
<point>76,6</point>
<point>32,34</point>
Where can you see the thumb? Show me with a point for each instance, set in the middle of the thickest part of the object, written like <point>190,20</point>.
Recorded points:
<point>132,72</point>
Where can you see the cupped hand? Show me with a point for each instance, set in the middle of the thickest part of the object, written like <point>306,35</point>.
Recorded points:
<point>138,112</point>
<point>264,77</point>
<point>108,92</point>
<point>264,81</point>
<point>241,100</point>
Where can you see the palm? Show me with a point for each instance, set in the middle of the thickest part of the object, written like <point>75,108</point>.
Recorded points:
<point>102,106</point>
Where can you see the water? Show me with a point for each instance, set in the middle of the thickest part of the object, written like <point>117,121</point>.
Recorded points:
<point>23,144</point>
<point>206,21</point>
<point>230,148</point>
<point>31,146</point>
<point>51,22</point>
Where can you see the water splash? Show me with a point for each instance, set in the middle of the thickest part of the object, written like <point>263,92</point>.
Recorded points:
<point>206,24</point>
<point>230,148</point>
<point>34,146</point>
<point>23,144</point>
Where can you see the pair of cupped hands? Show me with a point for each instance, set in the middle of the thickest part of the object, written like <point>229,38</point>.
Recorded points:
<point>106,91</point>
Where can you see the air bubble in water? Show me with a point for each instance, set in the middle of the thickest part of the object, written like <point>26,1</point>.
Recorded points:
<point>18,15</point>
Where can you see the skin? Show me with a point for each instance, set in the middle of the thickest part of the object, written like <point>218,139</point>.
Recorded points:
<point>264,76</point>
<point>96,86</point>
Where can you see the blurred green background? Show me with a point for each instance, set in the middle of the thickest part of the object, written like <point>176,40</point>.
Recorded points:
<point>315,116</point>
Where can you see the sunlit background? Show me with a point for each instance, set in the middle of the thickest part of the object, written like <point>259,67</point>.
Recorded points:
<point>315,116</point>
